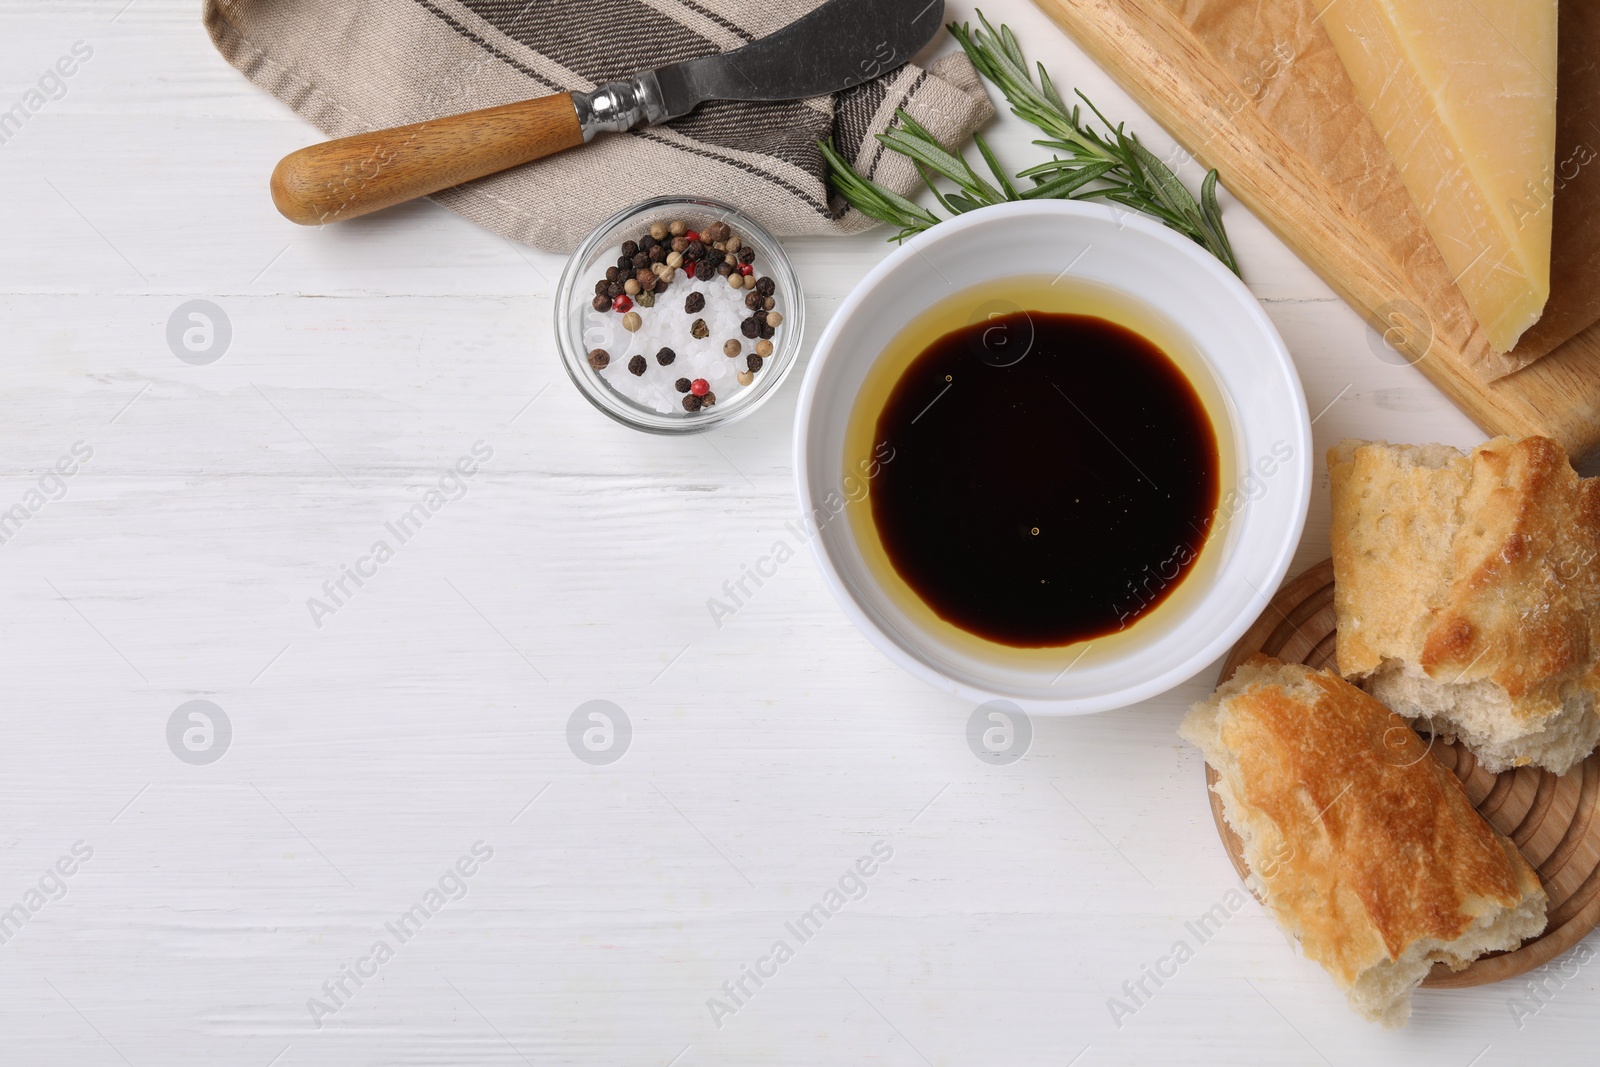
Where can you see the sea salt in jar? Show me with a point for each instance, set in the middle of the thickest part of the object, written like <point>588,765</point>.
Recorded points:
<point>665,339</point>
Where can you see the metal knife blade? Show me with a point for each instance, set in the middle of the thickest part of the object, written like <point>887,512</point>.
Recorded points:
<point>840,44</point>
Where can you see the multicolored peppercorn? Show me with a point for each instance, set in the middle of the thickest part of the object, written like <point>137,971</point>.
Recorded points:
<point>644,269</point>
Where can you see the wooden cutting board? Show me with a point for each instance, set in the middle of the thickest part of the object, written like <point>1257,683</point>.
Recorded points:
<point>1278,117</point>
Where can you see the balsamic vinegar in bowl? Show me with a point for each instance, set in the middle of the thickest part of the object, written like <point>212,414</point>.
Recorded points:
<point>1055,458</point>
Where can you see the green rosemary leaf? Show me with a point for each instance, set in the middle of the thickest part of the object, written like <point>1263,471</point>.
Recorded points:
<point>1106,163</point>
<point>1069,182</point>
<point>914,127</point>
<point>872,199</point>
<point>1008,41</point>
<point>994,165</point>
<point>1213,216</point>
<point>928,152</point>
<point>1163,183</point>
<point>1048,88</point>
<point>928,180</point>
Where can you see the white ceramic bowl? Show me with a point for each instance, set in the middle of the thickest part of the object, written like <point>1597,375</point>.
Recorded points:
<point>1264,440</point>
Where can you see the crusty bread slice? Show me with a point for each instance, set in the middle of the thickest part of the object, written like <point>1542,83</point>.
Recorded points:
<point>1468,593</point>
<point>1360,844</point>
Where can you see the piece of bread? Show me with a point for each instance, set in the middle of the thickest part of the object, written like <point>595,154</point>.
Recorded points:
<point>1468,593</point>
<point>1361,846</point>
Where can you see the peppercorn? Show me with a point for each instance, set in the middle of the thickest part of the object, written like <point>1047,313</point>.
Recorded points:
<point>674,260</point>
<point>731,347</point>
<point>679,244</point>
<point>636,366</point>
<point>646,299</point>
<point>688,267</point>
<point>731,260</point>
<point>612,274</point>
<point>600,287</point>
<point>708,400</point>
<point>748,279</point>
<point>624,264</point>
<point>724,270</point>
<point>745,268</point>
<point>773,318</point>
<point>614,289</point>
<point>763,349</point>
<point>745,377</point>
<point>752,363</point>
<point>601,302</point>
<point>752,300</point>
<point>735,281</point>
<point>699,387</point>
<point>676,227</point>
<point>692,235</point>
<point>666,356</point>
<point>639,259</point>
<point>765,286</point>
<point>658,230</point>
<point>631,322</point>
<point>646,243</point>
<point>599,358</point>
<point>767,303</point>
<point>631,287</point>
<point>750,327</point>
<point>747,255</point>
<point>760,316</point>
<point>767,331</point>
<point>622,303</point>
<point>698,328</point>
<point>733,243</point>
<point>691,403</point>
<point>694,302</point>
<point>659,253</point>
<point>694,250</point>
<point>647,281</point>
<point>681,385</point>
<point>629,248</point>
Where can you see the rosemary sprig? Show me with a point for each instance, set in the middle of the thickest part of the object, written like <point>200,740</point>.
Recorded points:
<point>1086,164</point>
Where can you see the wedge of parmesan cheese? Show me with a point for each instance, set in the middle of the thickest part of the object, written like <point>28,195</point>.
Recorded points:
<point>1464,94</point>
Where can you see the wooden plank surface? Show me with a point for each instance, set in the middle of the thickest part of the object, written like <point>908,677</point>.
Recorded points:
<point>384,743</point>
<point>1252,121</point>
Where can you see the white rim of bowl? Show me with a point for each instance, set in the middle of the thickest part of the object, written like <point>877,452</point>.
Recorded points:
<point>1176,674</point>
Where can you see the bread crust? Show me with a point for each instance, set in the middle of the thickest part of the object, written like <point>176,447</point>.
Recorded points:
<point>1463,569</point>
<point>1361,845</point>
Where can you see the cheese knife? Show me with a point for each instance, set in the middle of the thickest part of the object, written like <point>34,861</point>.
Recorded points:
<point>840,44</point>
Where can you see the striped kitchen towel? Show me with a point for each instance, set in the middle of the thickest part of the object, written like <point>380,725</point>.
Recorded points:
<point>355,65</point>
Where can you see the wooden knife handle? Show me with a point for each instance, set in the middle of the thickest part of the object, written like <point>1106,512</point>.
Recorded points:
<point>355,175</point>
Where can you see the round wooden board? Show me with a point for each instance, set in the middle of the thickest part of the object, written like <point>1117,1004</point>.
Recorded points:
<point>1552,820</point>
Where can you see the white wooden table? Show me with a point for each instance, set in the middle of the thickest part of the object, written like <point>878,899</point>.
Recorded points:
<point>428,713</point>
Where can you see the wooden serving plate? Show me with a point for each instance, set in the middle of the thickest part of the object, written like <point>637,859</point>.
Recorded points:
<point>1554,821</point>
